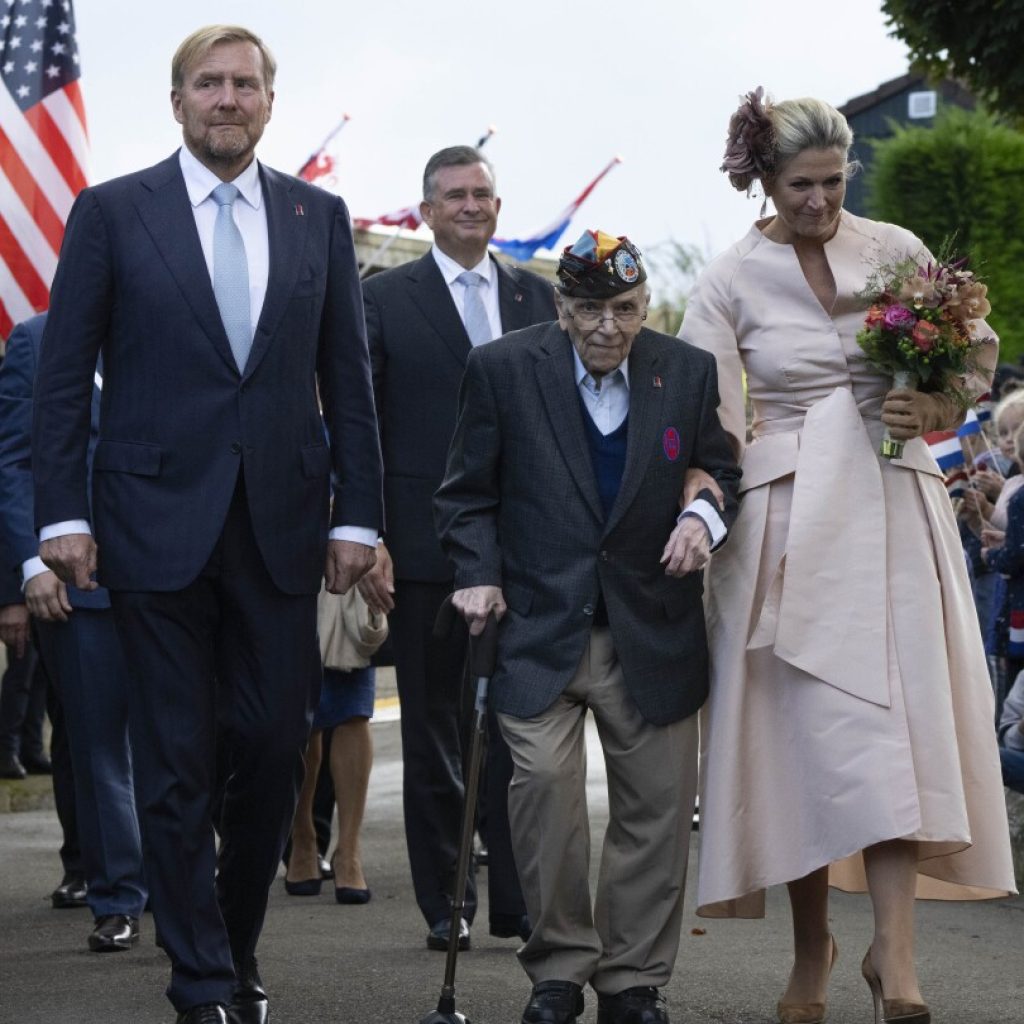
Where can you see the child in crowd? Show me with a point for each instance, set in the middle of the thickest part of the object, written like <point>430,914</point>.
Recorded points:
<point>1003,552</point>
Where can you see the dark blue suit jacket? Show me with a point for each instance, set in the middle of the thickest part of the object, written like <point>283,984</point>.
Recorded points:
<point>18,541</point>
<point>178,421</point>
<point>419,348</point>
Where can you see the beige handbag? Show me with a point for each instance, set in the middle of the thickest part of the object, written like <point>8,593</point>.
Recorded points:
<point>349,632</point>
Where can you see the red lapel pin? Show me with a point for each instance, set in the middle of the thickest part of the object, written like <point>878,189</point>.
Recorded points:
<point>299,211</point>
<point>657,382</point>
<point>518,296</point>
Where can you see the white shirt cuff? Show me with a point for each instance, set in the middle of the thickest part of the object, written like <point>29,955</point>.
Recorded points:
<point>357,534</point>
<point>64,528</point>
<point>712,520</point>
<point>32,567</point>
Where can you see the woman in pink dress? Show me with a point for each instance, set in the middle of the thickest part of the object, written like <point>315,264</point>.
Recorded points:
<point>848,737</point>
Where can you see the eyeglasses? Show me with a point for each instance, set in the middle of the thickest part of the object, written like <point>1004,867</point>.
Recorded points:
<point>592,316</point>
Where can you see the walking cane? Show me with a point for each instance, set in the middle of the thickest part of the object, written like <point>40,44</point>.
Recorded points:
<point>483,654</point>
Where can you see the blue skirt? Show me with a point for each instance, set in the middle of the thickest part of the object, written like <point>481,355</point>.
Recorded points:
<point>345,695</point>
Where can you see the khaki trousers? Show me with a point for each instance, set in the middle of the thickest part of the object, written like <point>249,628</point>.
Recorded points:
<point>631,934</point>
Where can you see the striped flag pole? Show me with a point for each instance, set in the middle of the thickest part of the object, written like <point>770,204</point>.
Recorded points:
<point>44,149</point>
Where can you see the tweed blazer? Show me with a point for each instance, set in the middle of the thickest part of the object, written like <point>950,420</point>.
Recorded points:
<point>519,508</point>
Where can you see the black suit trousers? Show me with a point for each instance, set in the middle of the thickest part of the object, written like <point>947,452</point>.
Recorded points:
<point>436,718</point>
<point>229,660</point>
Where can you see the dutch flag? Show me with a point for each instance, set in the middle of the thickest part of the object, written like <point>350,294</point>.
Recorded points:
<point>945,446</point>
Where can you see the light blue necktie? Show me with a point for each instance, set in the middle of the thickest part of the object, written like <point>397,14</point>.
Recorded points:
<point>231,275</point>
<point>474,314</point>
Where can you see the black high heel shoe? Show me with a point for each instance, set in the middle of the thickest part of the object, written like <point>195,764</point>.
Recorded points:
<point>892,1011</point>
<point>806,1013</point>
<point>307,887</point>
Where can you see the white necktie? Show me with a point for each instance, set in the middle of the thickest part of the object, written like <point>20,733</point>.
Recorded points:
<point>474,316</point>
<point>231,275</point>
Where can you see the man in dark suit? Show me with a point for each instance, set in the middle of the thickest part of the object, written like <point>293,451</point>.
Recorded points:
<point>82,656</point>
<point>423,319</point>
<point>560,511</point>
<point>225,299</point>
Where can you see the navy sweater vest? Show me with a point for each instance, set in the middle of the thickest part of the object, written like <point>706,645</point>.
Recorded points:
<point>608,457</point>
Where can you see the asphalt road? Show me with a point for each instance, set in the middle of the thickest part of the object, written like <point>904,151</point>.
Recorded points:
<point>332,964</point>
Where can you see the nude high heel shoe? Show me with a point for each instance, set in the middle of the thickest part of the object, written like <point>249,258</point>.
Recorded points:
<point>892,1011</point>
<point>806,1013</point>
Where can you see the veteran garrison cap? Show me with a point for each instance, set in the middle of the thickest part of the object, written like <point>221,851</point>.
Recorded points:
<point>600,266</point>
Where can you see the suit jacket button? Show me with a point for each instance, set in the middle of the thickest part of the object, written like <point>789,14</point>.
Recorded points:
<point>588,609</point>
<point>603,556</point>
<point>235,448</point>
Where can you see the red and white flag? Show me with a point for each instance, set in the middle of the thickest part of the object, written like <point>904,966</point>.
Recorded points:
<point>408,217</point>
<point>43,148</point>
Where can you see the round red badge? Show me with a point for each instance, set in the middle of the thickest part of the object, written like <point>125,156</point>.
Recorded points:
<point>670,443</point>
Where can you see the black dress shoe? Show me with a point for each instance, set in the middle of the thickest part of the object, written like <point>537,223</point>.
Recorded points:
<point>554,1002</point>
<point>510,926</point>
<point>40,764</point>
<point>113,933</point>
<point>249,1002</point>
<point>70,893</point>
<point>208,1013</point>
<point>248,1010</point>
<point>11,767</point>
<point>437,937</point>
<point>641,1005</point>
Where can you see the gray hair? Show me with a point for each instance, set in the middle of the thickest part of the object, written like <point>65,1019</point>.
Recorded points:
<point>451,156</point>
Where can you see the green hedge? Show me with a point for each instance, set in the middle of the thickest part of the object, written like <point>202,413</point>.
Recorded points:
<point>964,175</point>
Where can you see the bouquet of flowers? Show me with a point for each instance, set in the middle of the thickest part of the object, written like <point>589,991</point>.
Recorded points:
<point>920,328</point>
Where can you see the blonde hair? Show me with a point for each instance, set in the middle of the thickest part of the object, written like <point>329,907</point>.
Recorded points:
<point>200,42</point>
<point>1009,404</point>
<point>1018,445</point>
<point>763,136</point>
<point>807,123</point>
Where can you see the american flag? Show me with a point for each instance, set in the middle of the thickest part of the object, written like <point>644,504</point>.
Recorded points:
<point>43,148</point>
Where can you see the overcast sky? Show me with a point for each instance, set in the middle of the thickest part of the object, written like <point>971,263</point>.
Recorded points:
<point>567,83</point>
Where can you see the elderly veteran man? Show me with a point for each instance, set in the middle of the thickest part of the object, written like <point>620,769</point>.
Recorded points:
<point>560,512</point>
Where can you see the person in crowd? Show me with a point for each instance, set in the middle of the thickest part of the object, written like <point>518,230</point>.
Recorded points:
<point>1011,737</point>
<point>350,635</point>
<point>1002,552</point>
<point>423,319</point>
<point>225,299</point>
<point>985,511</point>
<point>560,512</point>
<point>849,733</point>
<point>22,688</point>
<point>80,650</point>
<point>346,707</point>
<point>1007,378</point>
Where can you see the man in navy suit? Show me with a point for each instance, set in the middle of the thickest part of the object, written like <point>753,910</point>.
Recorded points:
<point>421,327</point>
<point>225,299</point>
<point>82,657</point>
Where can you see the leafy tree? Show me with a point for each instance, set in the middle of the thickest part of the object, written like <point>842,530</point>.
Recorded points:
<point>674,267</point>
<point>979,41</point>
<point>964,176</point>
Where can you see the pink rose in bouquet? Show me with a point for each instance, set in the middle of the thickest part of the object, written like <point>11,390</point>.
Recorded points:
<point>899,318</point>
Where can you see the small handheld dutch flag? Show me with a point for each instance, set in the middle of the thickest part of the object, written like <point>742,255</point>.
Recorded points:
<point>945,446</point>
